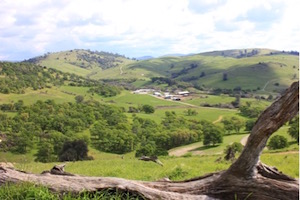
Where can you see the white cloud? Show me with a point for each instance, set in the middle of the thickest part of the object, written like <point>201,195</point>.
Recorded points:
<point>137,27</point>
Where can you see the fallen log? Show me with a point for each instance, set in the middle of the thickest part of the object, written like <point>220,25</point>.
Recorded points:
<point>151,158</point>
<point>247,177</point>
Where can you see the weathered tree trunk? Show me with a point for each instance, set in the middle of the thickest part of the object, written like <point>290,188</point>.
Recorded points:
<point>246,178</point>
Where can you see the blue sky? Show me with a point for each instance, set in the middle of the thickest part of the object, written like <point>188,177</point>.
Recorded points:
<point>137,28</point>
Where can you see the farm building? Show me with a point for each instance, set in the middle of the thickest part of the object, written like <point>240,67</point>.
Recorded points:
<point>183,93</point>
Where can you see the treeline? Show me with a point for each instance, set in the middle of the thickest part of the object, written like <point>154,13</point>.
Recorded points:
<point>105,90</point>
<point>85,58</point>
<point>104,59</point>
<point>171,82</point>
<point>151,138</point>
<point>58,131</point>
<point>52,125</point>
<point>16,77</point>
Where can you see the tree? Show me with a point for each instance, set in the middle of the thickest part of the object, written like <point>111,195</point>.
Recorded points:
<point>228,126</point>
<point>294,129</point>
<point>233,123</point>
<point>79,99</point>
<point>278,142</point>
<point>212,135</point>
<point>148,109</point>
<point>237,124</point>
<point>191,112</point>
<point>45,153</point>
<point>270,97</point>
<point>246,178</point>
<point>249,124</point>
<point>232,149</point>
<point>237,101</point>
<point>146,149</point>
<point>225,76</point>
<point>74,151</point>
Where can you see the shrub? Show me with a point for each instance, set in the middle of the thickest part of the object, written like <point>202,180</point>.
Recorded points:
<point>232,149</point>
<point>177,173</point>
<point>294,129</point>
<point>146,150</point>
<point>148,109</point>
<point>212,135</point>
<point>74,150</point>
<point>278,142</point>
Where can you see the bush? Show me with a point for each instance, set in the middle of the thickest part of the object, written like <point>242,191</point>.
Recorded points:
<point>212,135</point>
<point>232,149</point>
<point>148,109</point>
<point>79,99</point>
<point>294,129</point>
<point>249,124</point>
<point>177,173</point>
<point>278,142</point>
<point>146,150</point>
<point>73,151</point>
<point>45,153</point>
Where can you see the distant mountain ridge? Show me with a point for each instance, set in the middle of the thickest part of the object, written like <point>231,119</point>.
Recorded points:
<point>145,58</point>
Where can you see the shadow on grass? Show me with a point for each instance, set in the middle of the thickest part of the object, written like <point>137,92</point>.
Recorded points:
<point>292,142</point>
<point>205,147</point>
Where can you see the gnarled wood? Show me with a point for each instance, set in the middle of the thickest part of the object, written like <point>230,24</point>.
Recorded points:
<point>246,178</point>
<point>281,111</point>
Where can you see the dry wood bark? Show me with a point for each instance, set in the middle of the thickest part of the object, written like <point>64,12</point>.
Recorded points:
<point>246,178</point>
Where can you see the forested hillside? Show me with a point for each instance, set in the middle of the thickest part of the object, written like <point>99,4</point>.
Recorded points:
<point>17,77</point>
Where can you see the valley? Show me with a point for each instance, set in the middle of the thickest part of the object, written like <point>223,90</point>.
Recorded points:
<point>80,95</point>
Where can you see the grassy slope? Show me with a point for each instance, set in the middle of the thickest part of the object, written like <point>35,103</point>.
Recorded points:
<point>244,72</point>
<point>57,61</point>
<point>67,61</point>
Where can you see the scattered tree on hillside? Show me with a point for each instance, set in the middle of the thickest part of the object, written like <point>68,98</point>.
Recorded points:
<point>79,98</point>
<point>191,112</point>
<point>225,76</point>
<point>233,123</point>
<point>250,124</point>
<point>74,151</point>
<point>236,103</point>
<point>212,135</point>
<point>45,153</point>
<point>202,74</point>
<point>294,128</point>
<point>228,126</point>
<point>148,109</point>
<point>278,142</point>
<point>232,149</point>
<point>249,111</point>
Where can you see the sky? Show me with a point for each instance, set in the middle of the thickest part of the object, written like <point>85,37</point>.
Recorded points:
<point>136,28</point>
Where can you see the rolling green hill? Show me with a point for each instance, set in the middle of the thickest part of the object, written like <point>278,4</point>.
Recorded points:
<point>81,62</point>
<point>267,72</point>
<point>250,69</point>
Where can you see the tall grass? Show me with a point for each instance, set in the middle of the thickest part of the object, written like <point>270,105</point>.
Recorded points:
<point>29,191</point>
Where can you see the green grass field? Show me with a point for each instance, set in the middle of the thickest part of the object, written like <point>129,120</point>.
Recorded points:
<point>176,168</point>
